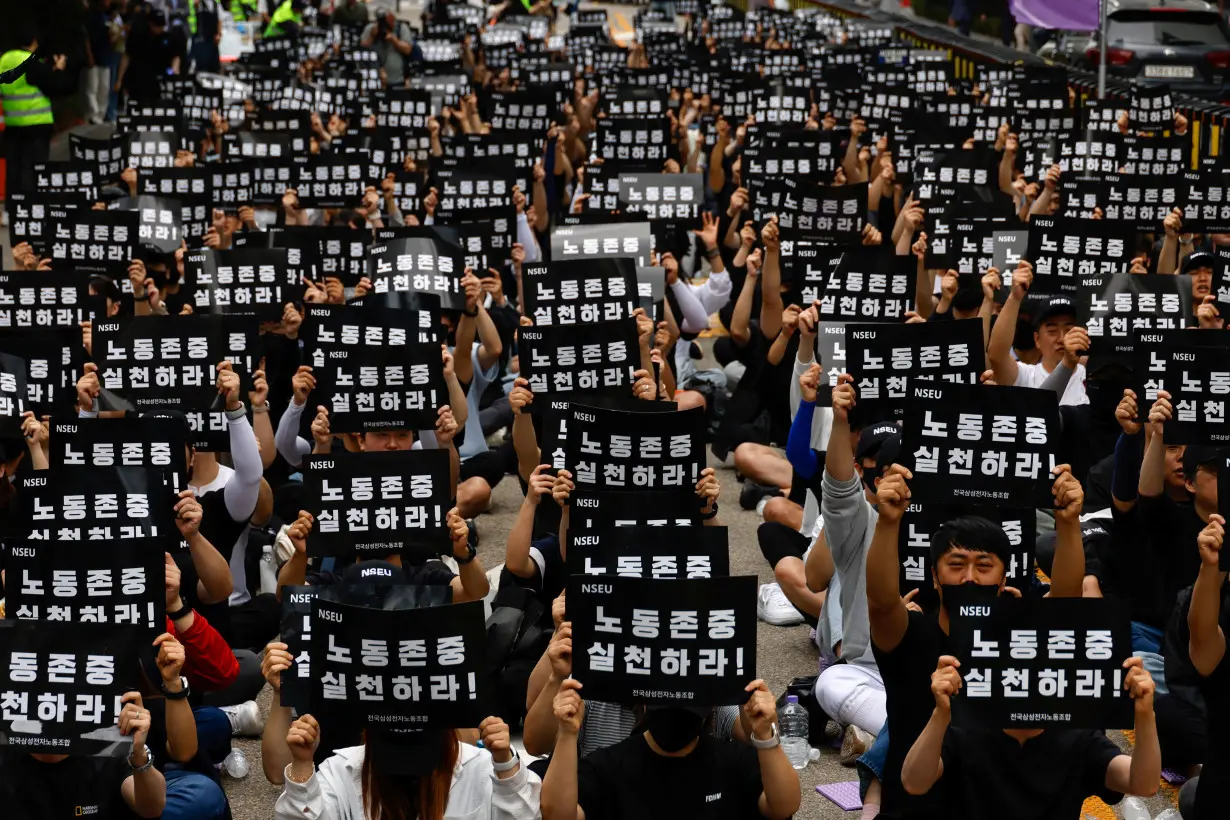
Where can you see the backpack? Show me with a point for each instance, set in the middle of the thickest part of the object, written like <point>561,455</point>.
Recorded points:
<point>517,636</point>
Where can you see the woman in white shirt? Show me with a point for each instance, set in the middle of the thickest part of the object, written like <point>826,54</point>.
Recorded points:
<point>407,774</point>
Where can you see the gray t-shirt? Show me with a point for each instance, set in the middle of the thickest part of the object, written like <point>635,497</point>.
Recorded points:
<point>391,60</point>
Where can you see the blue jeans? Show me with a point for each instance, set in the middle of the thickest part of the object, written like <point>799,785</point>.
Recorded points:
<point>871,764</point>
<point>193,796</point>
<point>213,732</point>
<point>113,100</point>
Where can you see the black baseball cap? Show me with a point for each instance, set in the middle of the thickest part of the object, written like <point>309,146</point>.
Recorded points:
<point>404,752</point>
<point>881,441</point>
<point>382,572</point>
<point>1196,456</point>
<point>1197,260</point>
<point>157,18</point>
<point>1056,305</point>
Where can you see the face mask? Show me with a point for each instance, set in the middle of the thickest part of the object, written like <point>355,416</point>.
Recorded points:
<point>970,594</point>
<point>672,729</point>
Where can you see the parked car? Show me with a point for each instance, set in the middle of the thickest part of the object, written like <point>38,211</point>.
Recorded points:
<point>1185,43</point>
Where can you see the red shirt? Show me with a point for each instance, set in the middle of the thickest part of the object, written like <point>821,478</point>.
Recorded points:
<point>209,663</point>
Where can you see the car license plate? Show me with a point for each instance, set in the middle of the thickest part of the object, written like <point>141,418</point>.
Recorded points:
<point>1173,72</point>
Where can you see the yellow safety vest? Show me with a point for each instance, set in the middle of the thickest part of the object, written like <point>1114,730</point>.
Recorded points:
<point>24,104</point>
<point>284,14</point>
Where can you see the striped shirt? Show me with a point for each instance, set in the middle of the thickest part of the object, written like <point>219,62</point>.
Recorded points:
<point>606,724</point>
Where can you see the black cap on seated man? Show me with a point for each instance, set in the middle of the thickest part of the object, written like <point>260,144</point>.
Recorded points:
<point>879,445</point>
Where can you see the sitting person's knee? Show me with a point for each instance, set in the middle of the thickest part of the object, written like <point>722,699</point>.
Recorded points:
<point>474,496</point>
<point>689,399</point>
<point>781,510</point>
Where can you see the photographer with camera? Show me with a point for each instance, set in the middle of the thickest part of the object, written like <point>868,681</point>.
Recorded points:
<point>393,42</point>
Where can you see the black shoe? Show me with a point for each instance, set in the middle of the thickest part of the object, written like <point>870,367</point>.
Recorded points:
<point>473,537</point>
<point>694,351</point>
<point>750,495</point>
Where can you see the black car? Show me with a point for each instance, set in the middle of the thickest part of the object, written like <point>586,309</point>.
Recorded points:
<point>1185,43</point>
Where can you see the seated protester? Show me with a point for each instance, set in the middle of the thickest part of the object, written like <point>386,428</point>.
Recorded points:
<point>790,599</point>
<point>852,692</point>
<point>293,448</point>
<point>542,564</point>
<point>470,585</point>
<point>1030,774</point>
<point>408,773</point>
<point>1056,335</point>
<point>42,786</point>
<point>476,365</point>
<point>907,642</point>
<point>1208,620</point>
<point>672,769</point>
<point>604,724</point>
<point>192,793</point>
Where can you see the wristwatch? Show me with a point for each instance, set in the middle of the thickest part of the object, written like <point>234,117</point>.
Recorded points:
<point>772,743</point>
<point>149,762</point>
<point>507,765</point>
<point>184,689</point>
<point>473,554</point>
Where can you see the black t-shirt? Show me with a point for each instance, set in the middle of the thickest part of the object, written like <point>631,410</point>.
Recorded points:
<point>428,573</point>
<point>1213,791</point>
<point>149,59</point>
<point>1046,778</point>
<point>74,788</point>
<point>719,780</point>
<point>907,683</point>
<point>1172,562</point>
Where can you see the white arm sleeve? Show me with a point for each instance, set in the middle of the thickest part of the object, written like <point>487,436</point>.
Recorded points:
<point>286,438</point>
<point>695,317</point>
<point>243,490</point>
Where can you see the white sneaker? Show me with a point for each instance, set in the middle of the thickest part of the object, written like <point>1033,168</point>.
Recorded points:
<point>773,607</point>
<point>245,719</point>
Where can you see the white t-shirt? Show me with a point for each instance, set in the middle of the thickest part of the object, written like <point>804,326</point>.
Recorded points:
<point>1034,375</point>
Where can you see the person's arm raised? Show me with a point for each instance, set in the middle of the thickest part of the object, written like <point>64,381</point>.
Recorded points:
<point>214,583</point>
<point>924,764</point>
<point>294,572</point>
<point>999,351</point>
<point>839,457</point>
<point>1153,465</point>
<point>275,754</point>
<point>1207,643</point>
<point>463,362</point>
<point>1068,567</point>
<point>1140,773</point>
<point>885,609</point>
<point>471,583</point>
<point>560,798</point>
<point>525,439</point>
<point>780,782</point>
<point>771,280</point>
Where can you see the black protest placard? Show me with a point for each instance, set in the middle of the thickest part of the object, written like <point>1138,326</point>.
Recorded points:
<point>1223,501</point>
<point>376,504</point>
<point>170,362</point>
<point>886,360</point>
<point>473,194</point>
<point>296,625</point>
<point>410,265</point>
<point>104,155</point>
<point>159,221</point>
<point>124,584</point>
<point>1205,198</point>
<point>241,280</point>
<point>30,215</point>
<point>1152,108</point>
<point>672,197</point>
<point>106,504</point>
<point>53,358</point>
<point>1113,306</point>
<point>618,450</point>
<point>522,110</point>
<point>404,109</point>
<point>641,640</point>
<point>592,510</point>
<point>994,445</point>
<point>62,691</point>
<point>810,267</point>
<point>921,521</point>
<point>1198,379</point>
<point>831,354</point>
<point>44,299</point>
<point>232,183</point>
<point>1010,249</point>
<point>153,442</point>
<point>602,241</point>
<point>640,140</point>
<point>375,373</point>
<point>867,286</point>
<point>556,414</point>
<point>150,149</point>
<point>580,291</point>
<point>336,180</point>
<point>1064,251</point>
<point>190,188</point>
<point>649,552</point>
<point>14,395</point>
<point>420,668</point>
<point>598,358</point>
<point>99,241</point>
<point>1034,662</point>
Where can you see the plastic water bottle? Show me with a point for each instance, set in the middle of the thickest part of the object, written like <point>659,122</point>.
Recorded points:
<point>236,764</point>
<point>269,570</point>
<point>1133,808</point>
<point>1169,814</point>
<point>792,729</point>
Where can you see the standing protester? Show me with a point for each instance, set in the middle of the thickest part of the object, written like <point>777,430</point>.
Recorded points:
<point>393,42</point>
<point>27,108</point>
<point>152,51</point>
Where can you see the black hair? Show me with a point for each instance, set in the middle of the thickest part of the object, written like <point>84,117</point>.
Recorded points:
<point>105,286</point>
<point>1196,456</point>
<point>27,33</point>
<point>973,533</point>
